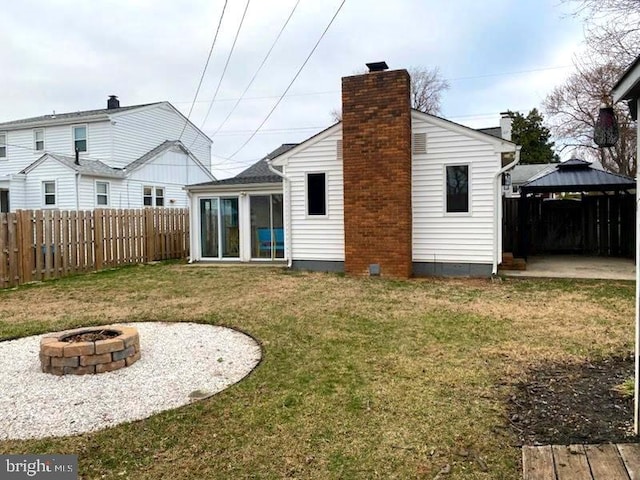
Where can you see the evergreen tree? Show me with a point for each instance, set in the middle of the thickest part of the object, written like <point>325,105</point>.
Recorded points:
<point>533,136</point>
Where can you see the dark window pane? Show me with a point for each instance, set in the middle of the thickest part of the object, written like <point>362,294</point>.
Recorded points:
<point>49,199</point>
<point>81,145</point>
<point>457,188</point>
<point>147,202</point>
<point>316,194</point>
<point>159,202</point>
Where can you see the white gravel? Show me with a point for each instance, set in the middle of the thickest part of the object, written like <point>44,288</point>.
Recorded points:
<point>178,359</point>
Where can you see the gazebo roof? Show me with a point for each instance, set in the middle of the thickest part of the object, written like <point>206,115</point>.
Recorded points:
<point>578,176</point>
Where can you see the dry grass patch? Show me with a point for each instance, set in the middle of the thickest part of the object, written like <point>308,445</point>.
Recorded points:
<point>362,378</point>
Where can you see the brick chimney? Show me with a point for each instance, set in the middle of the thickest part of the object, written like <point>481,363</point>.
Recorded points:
<point>376,146</point>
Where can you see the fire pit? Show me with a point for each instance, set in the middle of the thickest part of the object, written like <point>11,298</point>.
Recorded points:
<point>89,350</point>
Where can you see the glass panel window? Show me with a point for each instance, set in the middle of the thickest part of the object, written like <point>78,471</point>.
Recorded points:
<point>230,232</point>
<point>102,193</point>
<point>457,188</point>
<point>3,145</point>
<point>80,138</point>
<point>49,189</point>
<point>159,197</point>
<point>209,227</point>
<point>147,196</point>
<point>316,194</point>
<point>38,140</point>
<point>267,226</point>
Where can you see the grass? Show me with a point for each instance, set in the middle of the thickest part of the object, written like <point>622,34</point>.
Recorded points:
<point>361,378</point>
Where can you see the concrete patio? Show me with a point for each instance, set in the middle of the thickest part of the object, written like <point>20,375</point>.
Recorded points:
<point>576,266</point>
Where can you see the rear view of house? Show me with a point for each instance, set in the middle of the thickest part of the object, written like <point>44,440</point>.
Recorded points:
<point>118,157</point>
<point>394,191</point>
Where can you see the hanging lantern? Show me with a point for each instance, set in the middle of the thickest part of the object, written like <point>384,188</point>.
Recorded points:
<point>605,133</point>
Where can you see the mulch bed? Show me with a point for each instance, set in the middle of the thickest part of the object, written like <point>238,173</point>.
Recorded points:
<point>573,403</point>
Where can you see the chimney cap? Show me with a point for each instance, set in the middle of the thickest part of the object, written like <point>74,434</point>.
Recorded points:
<point>377,66</point>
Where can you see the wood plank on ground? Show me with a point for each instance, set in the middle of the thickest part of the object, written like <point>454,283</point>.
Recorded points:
<point>605,462</point>
<point>537,463</point>
<point>630,453</point>
<point>571,462</point>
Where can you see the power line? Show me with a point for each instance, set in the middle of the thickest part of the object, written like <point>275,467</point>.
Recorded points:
<point>331,92</point>
<point>224,70</point>
<point>264,60</point>
<point>291,83</point>
<point>204,70</point>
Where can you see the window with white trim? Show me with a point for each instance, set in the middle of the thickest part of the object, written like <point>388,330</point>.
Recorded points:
<point>152,196</point>
<point>49,193</point>
<point>79,138</point>
<point>457,188</point>
<point>38,139</point>
<point>316,194</point>
<point>3,144</point>
<point>102,194</point>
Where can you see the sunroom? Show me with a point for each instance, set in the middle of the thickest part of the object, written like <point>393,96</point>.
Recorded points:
<point>240,219</point>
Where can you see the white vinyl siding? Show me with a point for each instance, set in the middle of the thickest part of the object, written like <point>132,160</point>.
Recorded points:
<point>59,139</point>
<point>138,131</point>
<point>317,237</point>
<point>439,236</point>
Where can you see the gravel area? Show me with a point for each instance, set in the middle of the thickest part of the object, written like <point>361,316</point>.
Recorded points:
<point>181,362</point>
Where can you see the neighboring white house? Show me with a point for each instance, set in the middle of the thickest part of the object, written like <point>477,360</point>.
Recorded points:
<point>453,188</point>
<point>118,157</point>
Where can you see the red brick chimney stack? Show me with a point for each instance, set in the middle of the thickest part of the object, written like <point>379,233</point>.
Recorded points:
<point>376,145</point>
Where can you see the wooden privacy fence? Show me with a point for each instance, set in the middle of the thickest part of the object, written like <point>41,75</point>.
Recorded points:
<point>591,225</point>
<point>44,244</point>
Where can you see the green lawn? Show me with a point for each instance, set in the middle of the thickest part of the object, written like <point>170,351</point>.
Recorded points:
<point>361,378</point>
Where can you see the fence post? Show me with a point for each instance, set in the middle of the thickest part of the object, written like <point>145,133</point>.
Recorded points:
<point>149,233</point>
<point>25,242</point>
<point>98,238</point>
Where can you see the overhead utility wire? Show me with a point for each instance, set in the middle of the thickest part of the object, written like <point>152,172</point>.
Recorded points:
<point>291,83</point>
<point>224,70</point>
<point>204,70</point>
<point>264,60</point>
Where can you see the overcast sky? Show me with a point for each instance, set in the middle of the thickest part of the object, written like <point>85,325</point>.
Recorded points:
<point>66,55</point>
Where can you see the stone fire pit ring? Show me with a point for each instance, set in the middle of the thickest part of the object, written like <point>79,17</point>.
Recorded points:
<point>68,353</point>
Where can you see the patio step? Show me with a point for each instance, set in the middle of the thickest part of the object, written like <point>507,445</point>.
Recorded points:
<point>509,262</point>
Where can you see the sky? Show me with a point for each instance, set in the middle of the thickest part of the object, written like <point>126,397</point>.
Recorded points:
<point>69,55</point>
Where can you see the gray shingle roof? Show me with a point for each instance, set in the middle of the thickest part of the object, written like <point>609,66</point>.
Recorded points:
<point>72,116</point>
<point>257,173</point>
<point>493,131</point>
<point>578,176</point>
<point>523,173</point>
<point>94,168</point>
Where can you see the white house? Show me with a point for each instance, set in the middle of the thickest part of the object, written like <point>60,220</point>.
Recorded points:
<point>118,157</point>
<point>388,191</point>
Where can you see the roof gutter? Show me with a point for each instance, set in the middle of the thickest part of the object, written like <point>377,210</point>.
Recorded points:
<point>497,216</point>
<point>287,208</point>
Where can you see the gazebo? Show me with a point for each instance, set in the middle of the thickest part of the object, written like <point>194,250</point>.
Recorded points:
<point>594,216</point>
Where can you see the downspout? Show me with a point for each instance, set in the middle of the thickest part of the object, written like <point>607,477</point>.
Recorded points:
<point>78,191</point>
<point>192,221</point>
<point>288,249</point>
<point>497,219</point>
